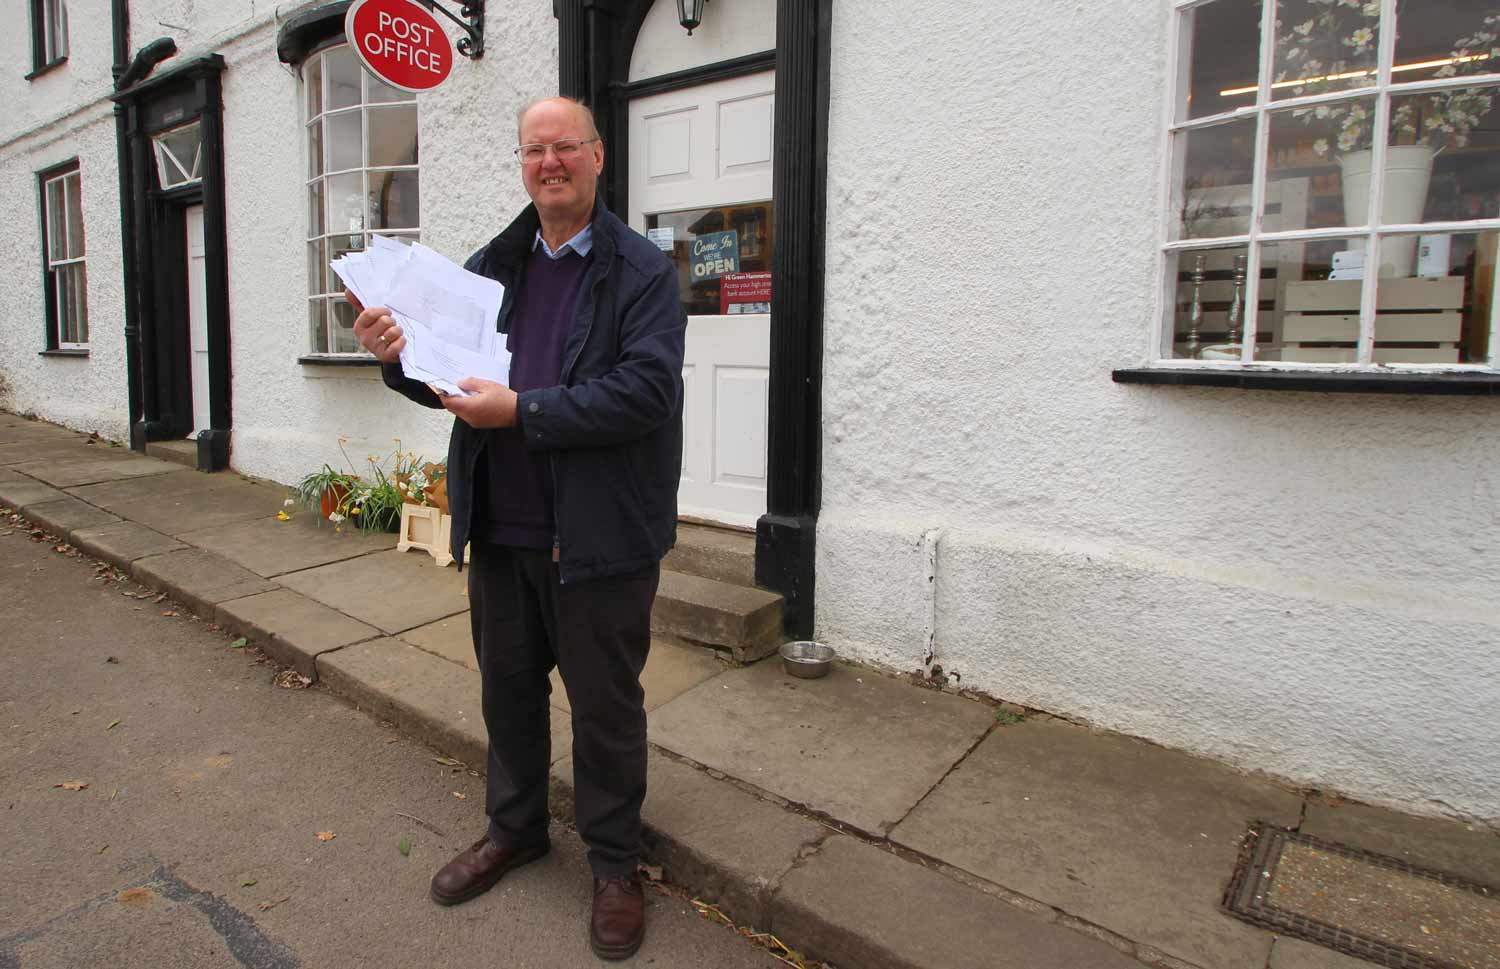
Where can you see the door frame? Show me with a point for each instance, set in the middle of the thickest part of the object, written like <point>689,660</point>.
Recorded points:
<point>596,39</point>
<point>156,312</point>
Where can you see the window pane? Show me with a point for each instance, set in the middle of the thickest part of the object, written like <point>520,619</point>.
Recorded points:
<point>394,202</point>
<point>720,252</point>
<point>1209,310</point>
<point>80,302</point>
<point>57,226</point>
<point>1324,154</point>
<point>1443,38</point>
<point>315,149</point>
<point>317,267</point>
<point>1444,160</point>
<point>1214,197</point>
<point>312,80</point>
<point>393,136</point>
<point>346,207</point>
<point>1316,300</point>
<point>75,218</point>
<point>1442,313</point>
<point>64,283</point>
<point>343,327</point>
<point>343,73</point>
<point>315,209</point>
<point>1324,46</point>
<point>377,91</point>
<point>317,325</point>
<point>1224,39</point>
<point>336,247</point>
<point>344,141</point>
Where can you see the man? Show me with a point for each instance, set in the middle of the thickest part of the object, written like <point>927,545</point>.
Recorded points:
<point>565,486</point>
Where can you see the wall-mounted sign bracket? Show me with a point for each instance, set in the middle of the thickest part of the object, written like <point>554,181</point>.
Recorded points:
<point>470,19</point>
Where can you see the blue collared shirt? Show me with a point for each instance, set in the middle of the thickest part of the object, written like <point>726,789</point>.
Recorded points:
<point>581,243</point>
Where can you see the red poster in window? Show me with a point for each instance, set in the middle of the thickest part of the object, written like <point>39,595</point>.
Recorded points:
<point>744,293</point>
<point>400,43</point>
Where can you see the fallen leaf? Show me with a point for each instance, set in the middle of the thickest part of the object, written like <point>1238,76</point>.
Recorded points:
<point>461,797</point>
<point>404,846</point>
<point>240,643</point>
<point>72,785</point>
<point>102,850</point>
<point>111,659</point>
<point>448,761</point>
<point>652,872</point>
<point>170,613</point>
<point>390,740</point>
<point>112,725</point>
<point>60,548</point>
<point>247,883</point>
<point>282,516</point>
<point>272,903</point>
<point>291,680</point>
<point>326,836</point>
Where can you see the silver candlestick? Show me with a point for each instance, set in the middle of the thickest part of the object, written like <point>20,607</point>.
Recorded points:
<point>1237,301</point>
<point>1195,309</point>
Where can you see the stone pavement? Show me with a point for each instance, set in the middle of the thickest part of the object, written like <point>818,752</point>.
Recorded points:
<point>863,819</point>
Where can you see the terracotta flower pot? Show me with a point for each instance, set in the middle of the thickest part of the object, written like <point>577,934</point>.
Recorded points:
<point>333,496</point>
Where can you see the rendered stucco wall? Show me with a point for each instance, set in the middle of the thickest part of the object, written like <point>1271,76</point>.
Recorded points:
<point>1297,583</point>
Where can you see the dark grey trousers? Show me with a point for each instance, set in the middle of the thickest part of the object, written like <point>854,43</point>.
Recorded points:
<point>597,633</point>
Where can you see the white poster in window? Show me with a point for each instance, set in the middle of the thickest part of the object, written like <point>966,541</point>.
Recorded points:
<point>662,237</point>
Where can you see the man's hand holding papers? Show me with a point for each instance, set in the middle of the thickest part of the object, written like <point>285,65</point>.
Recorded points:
<point>488,405</point>
<point>436,319</point>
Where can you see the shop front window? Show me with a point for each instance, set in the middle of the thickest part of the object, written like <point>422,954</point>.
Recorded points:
<point>362,178</point>
<point>1335,184</point>
<point>723,256</point>
<point>66,272</point>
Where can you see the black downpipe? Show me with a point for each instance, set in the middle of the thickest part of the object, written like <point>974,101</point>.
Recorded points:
<point>120,17</point>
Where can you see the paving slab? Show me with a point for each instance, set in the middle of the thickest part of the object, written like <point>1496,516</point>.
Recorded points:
<point>1297,954</point>
<point>89,469</point>
<point>169,484</point>
<point>234,501</point>
<point>1466,849</point>
<point>1134,838</point>
<point>198,579</point>
<point>811,741</point>
<point>853,904</point>
<point>123,542</point>
<point>291,628</point>
<point>65,514</point>
<point>268,546</point>
<point>671,670</point>
<point>730,846</point>
<point>26,491</point>
<point>450,637</point>
<point>431,697</point>
<point>389,590</point>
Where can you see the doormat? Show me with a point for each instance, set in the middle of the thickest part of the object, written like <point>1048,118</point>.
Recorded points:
<point>1366,905</point>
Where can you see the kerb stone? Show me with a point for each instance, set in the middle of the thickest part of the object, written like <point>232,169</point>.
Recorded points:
<point>291,628</point>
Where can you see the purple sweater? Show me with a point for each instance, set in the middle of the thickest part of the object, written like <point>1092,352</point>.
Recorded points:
<point>517,509</point>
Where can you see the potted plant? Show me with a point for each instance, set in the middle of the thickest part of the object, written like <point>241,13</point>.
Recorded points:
<point>326,490</point>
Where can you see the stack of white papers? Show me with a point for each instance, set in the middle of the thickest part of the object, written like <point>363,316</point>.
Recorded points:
<point>446,313</point>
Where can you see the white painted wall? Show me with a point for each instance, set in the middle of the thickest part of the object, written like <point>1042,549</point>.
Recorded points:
<point>730,28</point>
<point>1299,583</point>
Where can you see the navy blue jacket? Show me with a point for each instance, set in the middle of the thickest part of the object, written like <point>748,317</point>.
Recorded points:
<point>613,426</point>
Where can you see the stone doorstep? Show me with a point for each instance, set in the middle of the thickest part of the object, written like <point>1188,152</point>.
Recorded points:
<point>743,621</point>
<point>178,452</point>
<point>725,554</point>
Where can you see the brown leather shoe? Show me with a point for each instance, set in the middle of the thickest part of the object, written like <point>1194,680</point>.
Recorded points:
<point>474,871</point>
<point>618,922</point>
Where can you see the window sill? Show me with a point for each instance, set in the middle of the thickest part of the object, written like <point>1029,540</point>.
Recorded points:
<point>337,360</point>
<point>46,68</point>
<point>1441,384</point>
<point>69,352</point>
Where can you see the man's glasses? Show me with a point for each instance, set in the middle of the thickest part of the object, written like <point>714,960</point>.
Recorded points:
<point>566,150</point>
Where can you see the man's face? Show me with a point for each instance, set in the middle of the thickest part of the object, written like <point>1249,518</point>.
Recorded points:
<point>561,189</point>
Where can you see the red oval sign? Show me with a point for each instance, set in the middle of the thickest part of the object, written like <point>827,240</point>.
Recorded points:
<point>400,43</point>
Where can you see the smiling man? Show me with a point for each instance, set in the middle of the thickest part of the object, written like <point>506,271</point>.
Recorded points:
<point>564,485</point>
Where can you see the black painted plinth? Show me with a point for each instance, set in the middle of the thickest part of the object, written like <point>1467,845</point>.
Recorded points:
<point>785,562</point>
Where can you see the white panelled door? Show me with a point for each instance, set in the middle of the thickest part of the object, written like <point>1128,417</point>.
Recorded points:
<point>197,318</point>
<point>700,186</point>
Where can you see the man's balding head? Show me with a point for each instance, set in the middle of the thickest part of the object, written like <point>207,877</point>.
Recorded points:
<point>584,114</point>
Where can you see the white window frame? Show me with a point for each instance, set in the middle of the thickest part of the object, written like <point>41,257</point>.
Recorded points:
<point>412,233</point>
<point>1383,89</point>
<point>71,182</point>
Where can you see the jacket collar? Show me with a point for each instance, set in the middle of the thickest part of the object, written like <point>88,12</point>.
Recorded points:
<point>511,247</point>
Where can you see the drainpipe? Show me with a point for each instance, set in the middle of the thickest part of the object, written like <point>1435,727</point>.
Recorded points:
<point>929,557</point>
<point>120,17</point>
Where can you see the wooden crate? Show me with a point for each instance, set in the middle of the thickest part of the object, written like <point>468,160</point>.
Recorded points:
<point>1425,315</point>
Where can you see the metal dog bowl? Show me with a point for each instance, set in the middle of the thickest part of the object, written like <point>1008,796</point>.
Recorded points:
<point>806,659</point>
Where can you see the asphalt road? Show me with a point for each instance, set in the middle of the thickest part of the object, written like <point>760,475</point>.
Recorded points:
<point>196,842</point>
